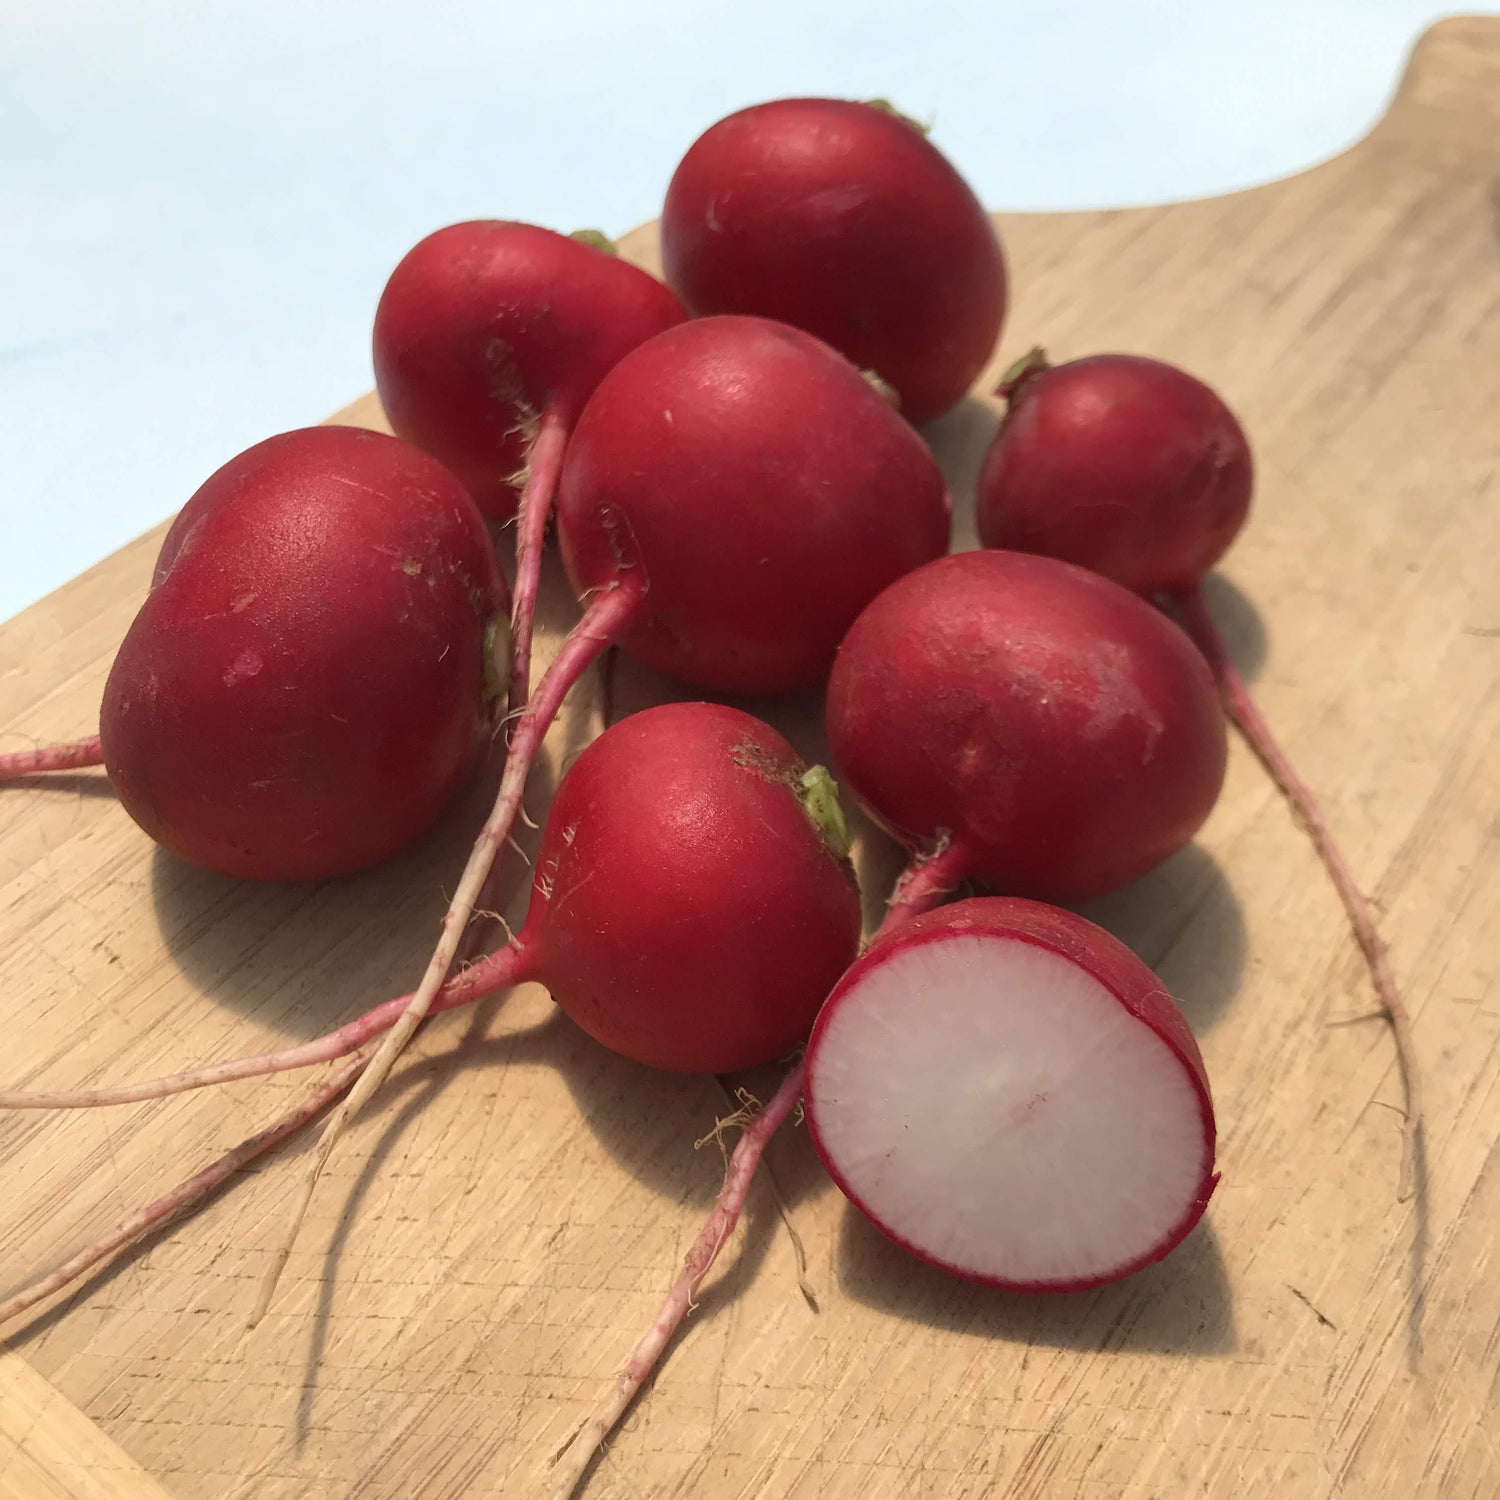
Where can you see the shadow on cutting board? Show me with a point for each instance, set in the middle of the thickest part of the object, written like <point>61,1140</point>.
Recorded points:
<point>1184,921</point>
<point>1181,1305</point>
<point>305,957</point>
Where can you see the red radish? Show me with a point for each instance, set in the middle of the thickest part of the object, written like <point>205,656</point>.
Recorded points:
<point>1026,723</point>
<point>1137,470</point>
<point>316,667</point>
<point>1006,1091</point>
<point>692,906</point>
<point>843,219</point>
<point>786,494</point>
<point>489,338</point>
<point>764,491</point>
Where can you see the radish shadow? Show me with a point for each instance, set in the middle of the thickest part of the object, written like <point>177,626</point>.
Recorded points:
<point>63,784</point>
<point>1181,1305</point>
<point>1184,921</point>
<point>307,956</point>
<point>1239,622</point>
<point>958,440</point>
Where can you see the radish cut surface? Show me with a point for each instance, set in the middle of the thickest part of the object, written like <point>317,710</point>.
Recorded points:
<point>1002,1110</point>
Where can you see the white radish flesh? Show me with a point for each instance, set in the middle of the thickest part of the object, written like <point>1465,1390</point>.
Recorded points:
<point>1000,1088</point>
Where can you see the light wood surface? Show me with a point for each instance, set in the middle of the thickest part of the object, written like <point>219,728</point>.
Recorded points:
<point>50,1451</point>
<point>501,1224</point>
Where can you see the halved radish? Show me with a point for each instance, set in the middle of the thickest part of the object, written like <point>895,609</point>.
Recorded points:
<point>1007,1091</point>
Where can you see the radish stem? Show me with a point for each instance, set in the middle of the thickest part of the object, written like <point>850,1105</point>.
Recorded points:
<point>544,464</point>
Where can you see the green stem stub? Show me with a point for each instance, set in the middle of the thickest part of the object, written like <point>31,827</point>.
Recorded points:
<point>497,659</point>
<point>921,127</point>
<point>882,388</point>
<point>820,800</point>
<point>1033,362</point>
<point>595,239</point>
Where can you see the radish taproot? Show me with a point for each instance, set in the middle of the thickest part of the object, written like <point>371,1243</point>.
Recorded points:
<point>692,905</point>
<point>1021,721</point>
<point>317,665</point>
<point>1138,471</point>
<point>1006,1090</point>
<point>783,494</point>
<point>489,337</point>
<point>843,219</point>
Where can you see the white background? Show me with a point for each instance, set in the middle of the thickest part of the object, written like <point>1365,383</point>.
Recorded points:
<point>200,201</point>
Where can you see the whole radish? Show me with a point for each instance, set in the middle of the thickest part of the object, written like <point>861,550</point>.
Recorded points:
<point>734,494</point>
<point>1005,1090</point>
<point>317,664</point>
<point>1021,721</point>
<point>757,490</point>
<point>489,337</point>
<point>1126,466</point>
<point>692,905</point>
<point>843,219</point>
<point>1139,471</point>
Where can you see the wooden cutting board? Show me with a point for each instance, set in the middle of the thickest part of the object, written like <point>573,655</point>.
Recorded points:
<point>505,1218</point>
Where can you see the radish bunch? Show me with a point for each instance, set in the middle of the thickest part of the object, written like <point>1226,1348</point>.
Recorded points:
<point>744,505</point>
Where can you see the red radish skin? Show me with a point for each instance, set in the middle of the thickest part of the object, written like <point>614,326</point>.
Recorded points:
<point>692,905</point>
<point>1010,718</point>
<point>312,674</point>
<point>843,219</point>
<point>1137,1139</point>
<point>489,338</point>
<point>1030,724</point>
<point>1137,470</point>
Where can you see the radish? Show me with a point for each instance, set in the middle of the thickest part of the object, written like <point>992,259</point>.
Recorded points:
<point>691,907</point>
<point>843,219</point>
<point>316,667</point>
<point>734,493</point>
<point>1137,470</point>
<point>489,338</point>
<point>1021,721</point>
<point>1006,1091</point>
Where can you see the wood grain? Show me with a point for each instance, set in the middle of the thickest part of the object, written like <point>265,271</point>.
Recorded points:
<point>504,1220</point>
<point>50,1451</point>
